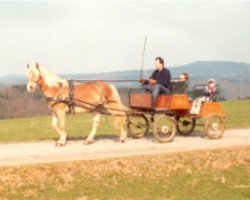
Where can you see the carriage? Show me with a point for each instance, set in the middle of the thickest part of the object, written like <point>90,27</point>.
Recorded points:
<point>171,114</point>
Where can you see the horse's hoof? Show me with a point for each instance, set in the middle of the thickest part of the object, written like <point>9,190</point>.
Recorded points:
<point>122,140</point>
<point>86,142</point>
<point>59,144</point>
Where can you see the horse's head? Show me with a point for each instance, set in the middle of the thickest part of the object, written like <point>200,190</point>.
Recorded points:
<point>33,77</point>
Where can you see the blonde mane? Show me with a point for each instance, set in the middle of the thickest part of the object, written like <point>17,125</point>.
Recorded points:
<point>50,79</point>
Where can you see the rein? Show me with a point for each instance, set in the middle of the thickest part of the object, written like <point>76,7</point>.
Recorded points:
<point>37,81</point>
<point>71,96</point>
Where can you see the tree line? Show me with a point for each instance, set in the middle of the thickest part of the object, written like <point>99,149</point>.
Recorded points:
<point>16,102</point>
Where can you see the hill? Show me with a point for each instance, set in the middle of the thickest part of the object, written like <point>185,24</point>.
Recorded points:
<point>217,69</point>
<point>232,76</point>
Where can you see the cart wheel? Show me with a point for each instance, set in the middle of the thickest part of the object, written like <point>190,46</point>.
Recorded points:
<point>138,125</point>
<point>214,127</point>
<point>164,129</point>
<point>185,125</point>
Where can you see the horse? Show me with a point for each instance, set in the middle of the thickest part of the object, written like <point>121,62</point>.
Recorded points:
<point>64,96</point>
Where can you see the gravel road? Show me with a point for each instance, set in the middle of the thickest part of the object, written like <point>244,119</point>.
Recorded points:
<point>46,152</point>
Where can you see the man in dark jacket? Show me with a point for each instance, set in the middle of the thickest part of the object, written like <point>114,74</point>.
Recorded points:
<point>159,82</point>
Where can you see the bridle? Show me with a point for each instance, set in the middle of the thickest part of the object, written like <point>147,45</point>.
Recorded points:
<point>36,81</point>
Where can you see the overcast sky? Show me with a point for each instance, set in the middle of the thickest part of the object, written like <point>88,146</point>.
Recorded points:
<point>79,37</point>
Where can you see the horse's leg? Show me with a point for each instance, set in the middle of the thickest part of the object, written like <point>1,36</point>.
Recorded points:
<point>96,121</point>
<point>58,122</point>
<point>123,134</point>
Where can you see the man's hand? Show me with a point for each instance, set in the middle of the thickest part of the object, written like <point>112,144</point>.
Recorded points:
<point>141,81</point>
<point>152,81</point>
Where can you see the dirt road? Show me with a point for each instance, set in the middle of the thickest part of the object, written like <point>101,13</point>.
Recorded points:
<point>46,152</point>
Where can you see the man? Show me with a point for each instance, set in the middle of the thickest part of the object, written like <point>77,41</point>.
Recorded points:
<point>159,82</point>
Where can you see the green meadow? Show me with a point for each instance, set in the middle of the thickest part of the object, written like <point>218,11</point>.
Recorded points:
<point>78,126</point>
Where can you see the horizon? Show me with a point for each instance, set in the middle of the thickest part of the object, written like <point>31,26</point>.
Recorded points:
<point>139,69</point>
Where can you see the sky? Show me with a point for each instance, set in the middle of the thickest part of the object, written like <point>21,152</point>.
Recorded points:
<point>104,36</point>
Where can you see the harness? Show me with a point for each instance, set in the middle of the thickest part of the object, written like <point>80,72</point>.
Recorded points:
<point>71,96</point>
<point>73,102</point>
<point>69,100</point>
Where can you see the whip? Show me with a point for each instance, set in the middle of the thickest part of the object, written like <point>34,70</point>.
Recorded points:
<point>143,54</point>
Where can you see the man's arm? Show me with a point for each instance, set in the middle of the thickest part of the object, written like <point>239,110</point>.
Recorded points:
<point>151,79</point>
<point>153,76</point>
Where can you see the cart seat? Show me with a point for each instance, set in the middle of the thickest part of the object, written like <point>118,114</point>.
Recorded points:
<point>173,102</point>
<point>143,101</point>
<point>180,87</point>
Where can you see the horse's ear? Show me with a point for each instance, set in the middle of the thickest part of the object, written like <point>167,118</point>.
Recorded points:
<point>60,84</point>
<point>37,66</point>
<point>28,66</point>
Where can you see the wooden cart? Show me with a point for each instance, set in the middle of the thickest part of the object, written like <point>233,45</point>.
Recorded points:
<point>171,114</point>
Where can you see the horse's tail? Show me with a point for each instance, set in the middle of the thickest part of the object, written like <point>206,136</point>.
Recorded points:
<point>119,111</point>
<point>117,99</point>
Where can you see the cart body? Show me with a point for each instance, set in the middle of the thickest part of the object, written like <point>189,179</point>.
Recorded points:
<point>175,108</point>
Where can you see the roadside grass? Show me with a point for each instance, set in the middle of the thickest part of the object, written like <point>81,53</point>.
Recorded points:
<point>78,126</point>
<point>208,174</point>
<point>39,128</point>
<point>237,113</point>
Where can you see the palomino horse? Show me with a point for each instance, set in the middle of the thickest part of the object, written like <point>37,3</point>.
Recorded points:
<point>85,97</point>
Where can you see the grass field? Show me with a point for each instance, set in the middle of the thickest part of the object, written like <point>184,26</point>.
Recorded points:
<point>238,113</point>
<point>39,128</point>
<point>209,174</point>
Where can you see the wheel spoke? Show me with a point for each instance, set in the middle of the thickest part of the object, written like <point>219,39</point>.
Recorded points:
<point>164,129</point>
<point>185,125</point>
<point>138,125</point>
<point>214,127</point>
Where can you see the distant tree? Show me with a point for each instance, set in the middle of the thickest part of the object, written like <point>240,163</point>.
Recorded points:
<point>21,88</point>
<point>37,95</point>
<point>1,113</point>
<point>4,96</point>
<point>243,98</point>
<point>16,102</point>
<point>222,98</point>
